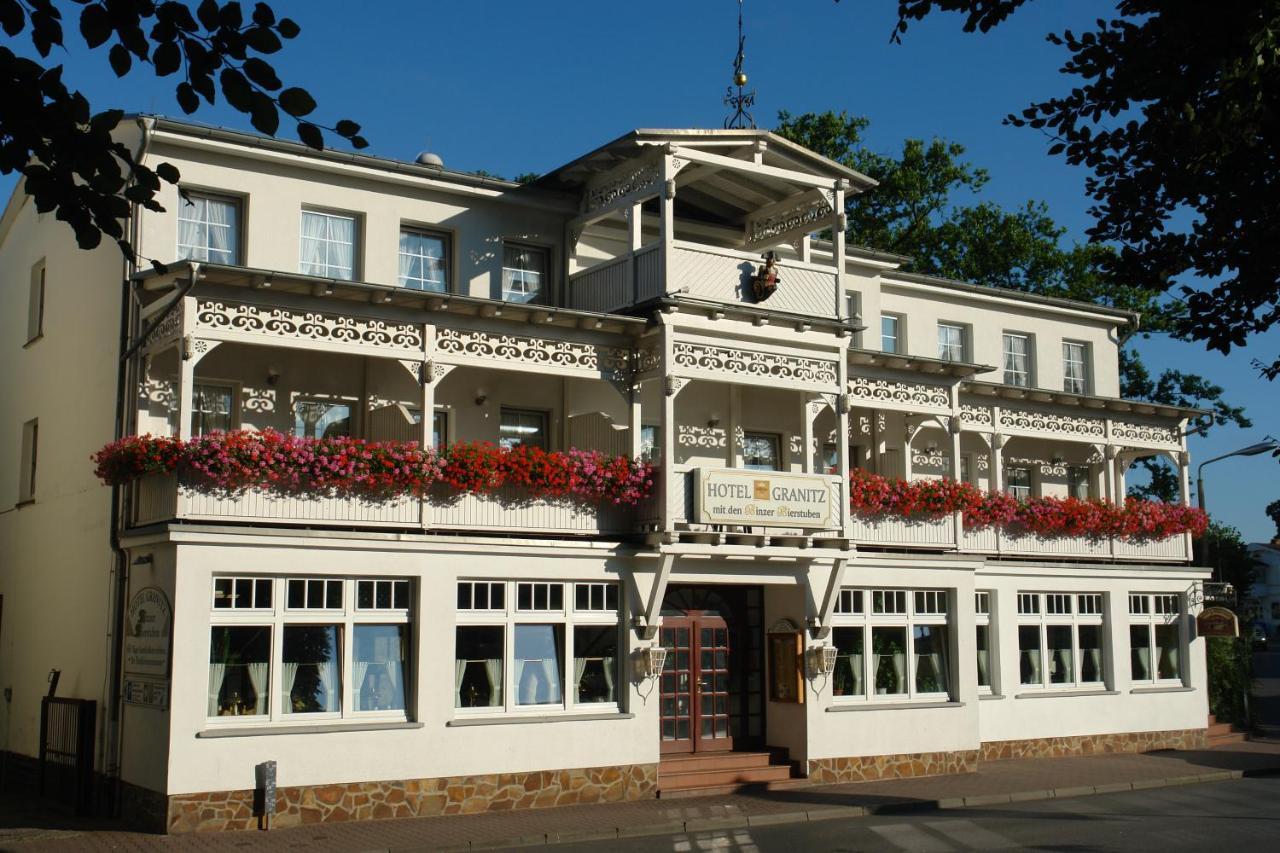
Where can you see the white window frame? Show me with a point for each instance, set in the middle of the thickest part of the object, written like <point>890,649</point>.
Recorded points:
<point>1023,375</point>
<point>1152,610</point>
<point>899,323</point>
<point>36,300</point>
<point>855,608</point>
<point>1070,383</point>
<point>446,261</point>
<point>954,352</point>
<point>351,412</point>
<point>329,268</point>
<point>983,617</point>
<point>233,417</point>
<point>201,253</point>
<point>510,275</point>
<point>1063,609</point>
<point>775,438</point>
<point>27,461</point>
<point>1016,491</point>
<point>523,411</point>
<point>278,615</point>
<point>568,617</point>
<point>1087,481</point>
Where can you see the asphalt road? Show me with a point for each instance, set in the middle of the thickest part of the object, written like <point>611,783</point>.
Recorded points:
<point>1242,814</point>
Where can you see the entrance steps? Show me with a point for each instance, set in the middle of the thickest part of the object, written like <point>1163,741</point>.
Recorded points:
<point>1224,733</point>
<point>709,773</point>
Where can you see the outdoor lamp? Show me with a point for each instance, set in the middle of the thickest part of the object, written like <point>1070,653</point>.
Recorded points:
<point>821,660</point>
<point>1267,444</point>
<point>481,396</point>
<point>654,659</point>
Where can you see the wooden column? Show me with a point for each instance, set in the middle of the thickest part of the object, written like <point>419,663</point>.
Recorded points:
<point>838,248</point>
<point>997,463</point>
<point>842,440</point>
<point>671,386</point>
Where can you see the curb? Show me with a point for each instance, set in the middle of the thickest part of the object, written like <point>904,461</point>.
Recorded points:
<point>821,813</point>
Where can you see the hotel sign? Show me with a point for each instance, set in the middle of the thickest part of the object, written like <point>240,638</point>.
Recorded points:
<point>762,498</point>
<point>1217,622</point>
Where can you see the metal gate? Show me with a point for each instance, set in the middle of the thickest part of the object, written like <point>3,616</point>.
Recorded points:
<point>67,729</point>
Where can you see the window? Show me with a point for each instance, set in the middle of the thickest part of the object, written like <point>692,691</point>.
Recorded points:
<point>439,425</point>
<point>1017,360</point>
<point>1075,368</point>
<point>328,245</point>
<point>35,301</point>
<point>890,333</point>
<point>950,342</point>
<point>982,614</point>
<point>27,461</point>
<point>212,408</point>
<point>760,451</point>
<point>321,419</point>
<point>892,652</point>
<point>209,228</point>
<point>650,442</point>
<point>538,654</point>
<point>424,261</point>
<point>1155,637</point>
<point>306,648</point>
<point>1018,482</point>
<point>523,271</point>
<point>526,427</point>
<point>1078,482</point>
<point>1060,640</point>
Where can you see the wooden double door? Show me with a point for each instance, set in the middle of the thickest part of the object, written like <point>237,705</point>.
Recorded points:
<point>706,680</point>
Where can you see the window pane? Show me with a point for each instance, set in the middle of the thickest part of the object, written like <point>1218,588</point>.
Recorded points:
<point>889,654</point>
<point>380,666</point>
<point>595,663</point>
<point>1061,661</point>
<point>523,268</point>
<point>1091,671</point>
<point>239,671</point>
<point>423,264</point>
<point>1029,667</point>
<point>1140,650</point>
<point>984,655</point>
<point>950,343</point>
<point>1074,368</point>
<point>328,245</point>
<point>1169,647</point>
<point>211,409</point>
<point>477,667</point>
<point>1017,360</point>
<point>1018,483</point>
<point>321,419</point>
<point>1078,482</point>
<point>888,333</point>
<point>439,429</point>
<point>539,664</point>
<point>311,669</point>
<point>760,452</point>
<point>522,427</point>
<point>849,675</point>
<point>930,658</point>
<point>209,229</point>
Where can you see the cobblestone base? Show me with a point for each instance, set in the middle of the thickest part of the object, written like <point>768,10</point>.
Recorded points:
<point>1061,747</point>
<point>871,768</point>
<point>229,810</point>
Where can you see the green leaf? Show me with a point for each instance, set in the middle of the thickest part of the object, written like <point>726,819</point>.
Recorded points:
<point>167,172</point>
<point>119,58</point>
<point>347,128</point>
<point>297,102</point>
<point>311,135</point>
<point>288,29</point>
<point>261,73</point>
<point>95,25</point>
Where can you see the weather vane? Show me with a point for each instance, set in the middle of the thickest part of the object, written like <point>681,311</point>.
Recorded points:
<point>740,100</point>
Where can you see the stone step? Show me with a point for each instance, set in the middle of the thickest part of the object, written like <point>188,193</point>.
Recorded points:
<point>713,761</point>
<point>1219,729</point>
<point>1232,737</point>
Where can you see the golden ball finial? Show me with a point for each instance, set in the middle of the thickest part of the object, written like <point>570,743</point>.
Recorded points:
<point>740,79</point>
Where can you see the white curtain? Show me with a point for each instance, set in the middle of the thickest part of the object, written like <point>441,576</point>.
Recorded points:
<point>258,678</point>
<point>342,237</point>
<point>526,692</point>
<point>222,230</point>
<point>1095,656</point>
<point>551,671</point>
<point>1171,662</point>
<point>938,662</point>
<point>855,664</point>
<point>493,671</point>
<point>609,664</point>
<point>408,255</point>
<point>191,228</point>
<point>579,670</point>
<point>328,672</point>
<point>289,674</point>
<point>983,677</point>
<point>1144,663</point>
<point>1032,657</point>
<point>459,673</point>
<point>314,260</point>
<point>217,672</point>
<point>359,669</point>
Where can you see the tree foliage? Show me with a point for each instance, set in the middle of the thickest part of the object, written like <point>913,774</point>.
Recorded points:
<point>1273,513</point>
<point>70,157</point>
<point>927,207</point>
<point>1176,114</point>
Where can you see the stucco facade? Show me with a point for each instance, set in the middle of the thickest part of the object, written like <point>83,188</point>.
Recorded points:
<point>606,306</point>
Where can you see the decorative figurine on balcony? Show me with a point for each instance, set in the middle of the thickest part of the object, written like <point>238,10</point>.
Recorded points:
<point>765,282</point>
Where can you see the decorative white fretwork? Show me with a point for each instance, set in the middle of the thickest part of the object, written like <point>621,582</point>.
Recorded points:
<point>257,399</point>
<point>793,370</point>
<point>612,363</point>
<point>310,326</point>
<point>1141,433</point>
<point>168,330</point>
<point>777,223</point>
<point>644,175</point>
<point>648,360</point>
<point>1027,421</point>
<point>703,437</point>
<point>909,395</point>
<point>975,416</point>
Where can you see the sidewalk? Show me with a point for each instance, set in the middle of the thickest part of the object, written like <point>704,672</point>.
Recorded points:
<point>28,831</point>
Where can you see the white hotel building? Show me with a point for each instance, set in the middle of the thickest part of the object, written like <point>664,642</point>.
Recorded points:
<point>460,653</point>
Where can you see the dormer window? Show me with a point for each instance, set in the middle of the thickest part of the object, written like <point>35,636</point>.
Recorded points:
<point>524,270</point>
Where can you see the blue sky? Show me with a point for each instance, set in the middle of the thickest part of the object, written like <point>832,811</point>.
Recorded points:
<point>512,87</point>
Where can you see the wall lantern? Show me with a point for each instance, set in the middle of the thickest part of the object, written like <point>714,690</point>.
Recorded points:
<point>820,660</point>
<point>713,421</point>
<point>654,658</point>
<point>481,396</point>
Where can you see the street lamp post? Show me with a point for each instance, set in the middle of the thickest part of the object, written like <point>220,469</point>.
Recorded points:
<point>1267,444</point>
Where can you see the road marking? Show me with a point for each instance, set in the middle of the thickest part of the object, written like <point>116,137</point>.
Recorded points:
<point>969,834</point>
<point>904,836</point>
<point>736,840</point>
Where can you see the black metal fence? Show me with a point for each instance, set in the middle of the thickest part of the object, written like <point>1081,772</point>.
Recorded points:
<point>67,729</point>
